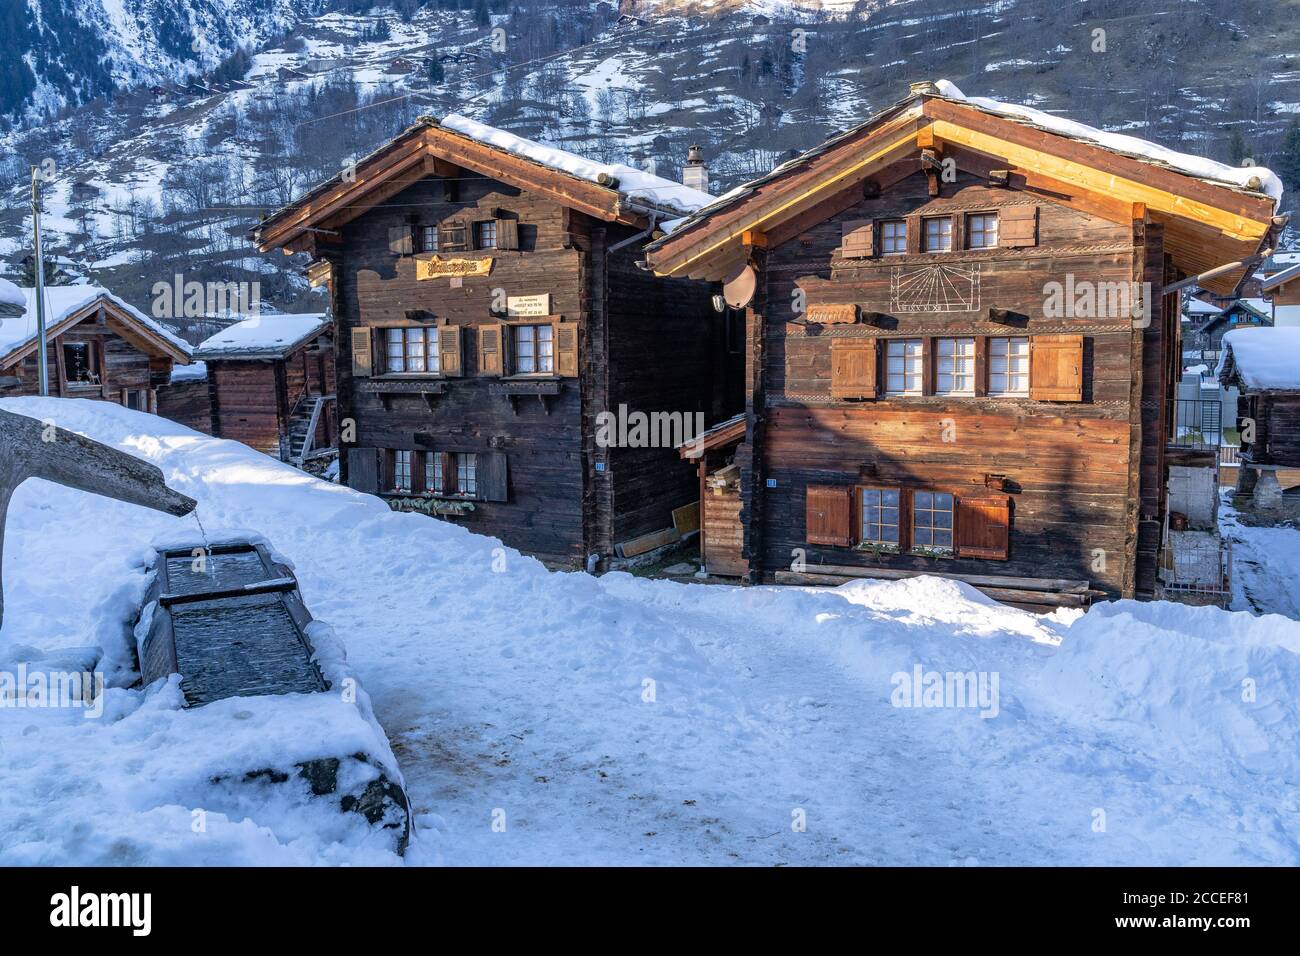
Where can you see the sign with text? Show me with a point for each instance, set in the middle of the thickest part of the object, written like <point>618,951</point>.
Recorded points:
<point>528,306</point>
<point>437,267</point>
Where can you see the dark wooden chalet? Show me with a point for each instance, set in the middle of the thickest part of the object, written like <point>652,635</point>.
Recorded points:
<point>944,373</point>
<point>97,346</point>
<point>491,312</point>
<point>271,384</point>
<point>1283,287</point>
<point>1264,364</point>
<point>185,397</point>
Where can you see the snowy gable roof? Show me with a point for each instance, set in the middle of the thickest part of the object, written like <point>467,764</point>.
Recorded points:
<point>1253,178</point>
<point>634,183</point>
<point>1290,274</point>
<point>1262,358</point>
<point>12,300</point>
<point>262,336</point>
<point>63,304</point>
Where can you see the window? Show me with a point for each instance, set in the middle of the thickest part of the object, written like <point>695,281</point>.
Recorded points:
<point>533,349</point>
<point>982,230</point>
<point>956,367</point>
<point>401,471</point>
<point>893,237</point>
<point>879,516</point>
<point>428,238</point>
<point>938,234</point>
<point>1009,366</point>
<point>485,234</point>
<point>903,367</point>
<point>79,365</point>
<point>433,479</point>
<point>932,520</point>
<point>466,474</point>
<point>411,350</point>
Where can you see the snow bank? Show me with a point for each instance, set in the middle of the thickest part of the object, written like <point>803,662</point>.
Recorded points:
<point>1199,166</point>
<point>193,372</point>
<point>1263,357</point>
<point>625,720</point>
<point>11,298</point>
<point>632,182</point>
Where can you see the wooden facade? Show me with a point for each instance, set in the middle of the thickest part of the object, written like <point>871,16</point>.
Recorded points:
<point>99,350</point>
<point>266,397</point>
<point>489,311</point>
<point>943,373</point>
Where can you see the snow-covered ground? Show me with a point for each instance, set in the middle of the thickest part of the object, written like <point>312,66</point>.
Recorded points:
<point>554,718</point>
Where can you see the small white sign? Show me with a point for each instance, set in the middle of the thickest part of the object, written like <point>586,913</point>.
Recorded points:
<point>528,306</point>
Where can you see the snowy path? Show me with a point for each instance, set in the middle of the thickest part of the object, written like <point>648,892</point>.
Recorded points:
<point>515,695</point>
<point>1265,566</point>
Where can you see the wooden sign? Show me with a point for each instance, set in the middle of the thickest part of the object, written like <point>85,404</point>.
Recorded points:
<point>833,314</point>
<point>436,267</point>
<point>528,306</point>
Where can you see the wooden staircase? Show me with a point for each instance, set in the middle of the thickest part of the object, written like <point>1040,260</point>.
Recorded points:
<point>303,423</point>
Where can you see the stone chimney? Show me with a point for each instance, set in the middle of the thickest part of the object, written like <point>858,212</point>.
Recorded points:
<point>695,173</point>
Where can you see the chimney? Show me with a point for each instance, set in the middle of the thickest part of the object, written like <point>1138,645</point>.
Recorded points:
<point>695,173</point>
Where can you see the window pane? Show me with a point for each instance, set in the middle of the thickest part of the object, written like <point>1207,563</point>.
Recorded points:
<point>396,351</point>
<point>433,472</point>
<point>1009,366</point>
<point>982,231</point>
<point>467,474</point>
<point>903,367</point>
<point>402,470</point>
<point>415,350</point>
<point>938,234</point>
<point>487,234</point>
<point>956,367</point>
<point>893,236</point>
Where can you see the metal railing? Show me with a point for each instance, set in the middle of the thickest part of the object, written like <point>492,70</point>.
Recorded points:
<point>1197,424</point>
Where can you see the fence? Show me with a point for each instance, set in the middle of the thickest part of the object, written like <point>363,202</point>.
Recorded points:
<point>1197,424</point>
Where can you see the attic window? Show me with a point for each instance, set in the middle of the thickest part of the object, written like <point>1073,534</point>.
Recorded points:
<point>937,235</point>
<point>982,230</point>
<point>893,237</point>
<point>485,234</point>
<point>79,365</point>
<point>428,239</point>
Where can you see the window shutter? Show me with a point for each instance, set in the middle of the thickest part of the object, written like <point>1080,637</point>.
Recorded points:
<point>417,473</point>
<point>566,350</point>
<point>828,514</point>
<point>361,353</point>
<point>983,527</point>
<point>490,350</point>
<point>449,350</point>
<point>1018,226</point>
<point>981,365</point>
<point>853,368</point>
<point>858,240</point>
<point>400,240</point>
<point>507,233</point>
<point>451,237</point>
<point>913,234</point>
<point>493,480</point>
<point>363,469</point>
<point>1056,368</point>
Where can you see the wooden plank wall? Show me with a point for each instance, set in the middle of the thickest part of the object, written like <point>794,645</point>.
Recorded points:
<point>1068,463</point>
<point>187,403</point>
<point>245,397</point>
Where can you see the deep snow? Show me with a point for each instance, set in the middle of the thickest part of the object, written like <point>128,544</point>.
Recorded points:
<point>556,718</point>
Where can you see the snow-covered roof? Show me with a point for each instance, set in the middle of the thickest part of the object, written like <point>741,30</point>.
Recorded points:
<point>1289,274</point>
<point>263,336</point>
<point>1264,358</point>
<point>1254,178</point>
<point>195,371</point>
<point>64,301</point>
<point>12,300</point>
<point>1201,307</point>
<point>632,182</point>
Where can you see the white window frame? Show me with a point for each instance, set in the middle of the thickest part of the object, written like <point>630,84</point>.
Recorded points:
<point>933,526</point>
<point>1009,366</point>
<point>540,357</point>
<point>399,343</point>
<point>904,365</point>
<point>402,465</point>
<point>899,239</point>
<point>925,233</point>
<point>955,366</point>
<point>874,500</point>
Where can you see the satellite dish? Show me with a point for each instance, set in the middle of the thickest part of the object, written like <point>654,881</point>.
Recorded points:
<point>739,289</point>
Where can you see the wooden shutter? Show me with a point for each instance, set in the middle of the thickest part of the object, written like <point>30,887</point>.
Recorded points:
<point>493,479</point>
<point>1056,368</point>
<point>853,368</point>
<point>417,473</point>
<point>451,237</point>
<point>858,240</point>
<point>981,365</point>
<point>449,350</point>
<point>828,512</point>
<point>984,527</point>
<point>507,233</point>
<point>362,354</point>
<point>1018,226</point>
<point>363,469</point>
<point>566,350</point>
<point>490,350</point>
<point>401,240</point>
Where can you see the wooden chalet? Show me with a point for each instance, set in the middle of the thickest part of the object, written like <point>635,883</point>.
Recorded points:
<point>1264,364</point>
<point>271,384</point>
<point>490,310</point>
<point>933,383</point>
<point>185,397</point>
<point>97,346</point>
<point>1283,287</point>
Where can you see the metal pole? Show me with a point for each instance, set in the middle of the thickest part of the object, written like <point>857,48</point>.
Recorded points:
<point>43,358</point>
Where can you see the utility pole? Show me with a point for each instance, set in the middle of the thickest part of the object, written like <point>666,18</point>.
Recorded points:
<point>43,358</point>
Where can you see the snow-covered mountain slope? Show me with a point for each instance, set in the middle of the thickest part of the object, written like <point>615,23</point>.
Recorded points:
<point>66,52</point>
<point>159,183</point>
<point>622,720</point>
